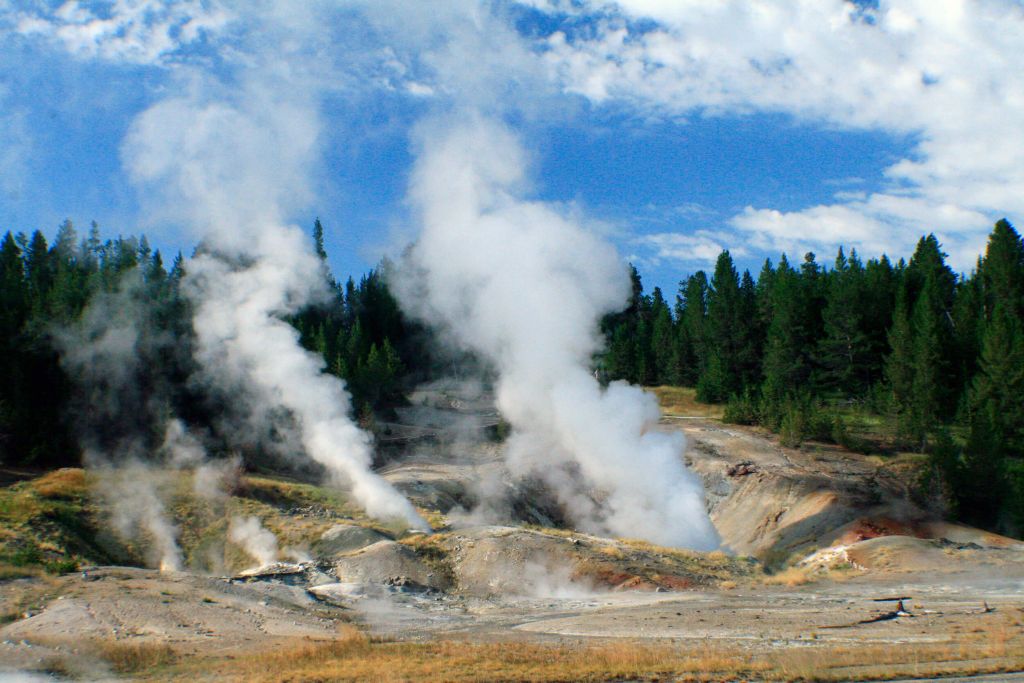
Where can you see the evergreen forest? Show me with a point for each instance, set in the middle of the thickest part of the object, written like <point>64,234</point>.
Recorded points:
<point>931,360</point>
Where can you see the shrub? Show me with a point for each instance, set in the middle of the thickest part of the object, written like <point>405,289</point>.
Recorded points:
<point>63,566</point>
<point>1015,495</point>
<point>793,428</point>
<point>820,423</point>
<point>741,410</point>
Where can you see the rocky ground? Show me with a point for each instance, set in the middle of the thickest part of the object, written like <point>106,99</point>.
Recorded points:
<point>818,544</point>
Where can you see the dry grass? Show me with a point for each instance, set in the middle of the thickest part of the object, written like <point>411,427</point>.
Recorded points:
<point>13,571</point>
<point>999,646</point>
<point>682,402</point>
<point>353,657</point>
<point>97,658</point>
<point>132,657</point>
<point>790,576</point>
<point>64,484</point>
<point>612,551</point>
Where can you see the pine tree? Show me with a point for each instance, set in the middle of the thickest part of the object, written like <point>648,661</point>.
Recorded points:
<point>94,245</point>
<point>881,284</point>
<point>993,461</point>
<point>899,365</point>
<point>968,316</point>
<point>318,240</point>
<point>643,358</point>
<point>997,394</point>
<point>393,372</point>
<point>765,280</point>
<point>177,269</point>
<point>929,369</point>
<point>1002,269</point>
<point>692,307</point>
<point>844,346</point>
<point>662,340</point>
<point>751,335</point>
<point>628,355</point>
<point>786,367</point>
<point>722,377</point>
<point>38,272</point>
<point>14,294</point>
<point>620,359</point>
<point>928,266</point>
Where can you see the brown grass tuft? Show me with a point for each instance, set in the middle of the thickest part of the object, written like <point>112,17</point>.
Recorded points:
<point>791,576</point>
<point>682,402</point>
<point>131,657</point>
<point>996,646</point>
<point>13,571</point>
<point>68,483</point>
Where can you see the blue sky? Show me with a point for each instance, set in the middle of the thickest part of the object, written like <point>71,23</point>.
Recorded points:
<point>677,128</point>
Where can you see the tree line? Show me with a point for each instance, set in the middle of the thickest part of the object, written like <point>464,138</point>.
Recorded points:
<point>940,356</point>
<point>48,290</point>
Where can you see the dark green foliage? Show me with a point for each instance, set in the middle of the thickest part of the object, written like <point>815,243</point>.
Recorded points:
<point>691,335</point>
<point>725,339</point>
<point>941,355</point>
<point>742,409</point>
<point>1002,270</point>
<point>843,351</point>
<point>364,338</point>
<point>663,350</point>
<point>899,366</point>
<point>789,359</point>
<point>318,240</point>
<point>968,320</point>
<point>119,279</point>
<point>717,334</point>
<point>54,298</point>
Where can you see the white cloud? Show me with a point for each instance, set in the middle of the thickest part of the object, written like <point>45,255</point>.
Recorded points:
<point>699,248</point>
<point>136,31</point>
<point>947,75</point>
<point>950,73</point>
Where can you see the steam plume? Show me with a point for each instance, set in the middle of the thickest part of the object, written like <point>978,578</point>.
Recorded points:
<point>107,352</point>
<point>258,542</point>
<point>234,169</point>
<point>137,507</point>
<point>525,287</point>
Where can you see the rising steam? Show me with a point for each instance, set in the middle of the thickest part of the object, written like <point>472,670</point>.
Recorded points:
<point>525,287</point>
<point>106,352</point>
<point>258,542</point>
<point>137,508</point>
<point>233,170</point>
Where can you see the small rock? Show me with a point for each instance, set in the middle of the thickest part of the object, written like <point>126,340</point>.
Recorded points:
<point>741,469</point>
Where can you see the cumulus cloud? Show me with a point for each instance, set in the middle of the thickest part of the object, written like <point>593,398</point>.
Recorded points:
<point>949,74</point>
<point>945,75</point>
<point>137,31</point>
<point>698,248</point>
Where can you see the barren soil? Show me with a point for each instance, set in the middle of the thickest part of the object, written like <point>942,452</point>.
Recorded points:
<point>837,532</point>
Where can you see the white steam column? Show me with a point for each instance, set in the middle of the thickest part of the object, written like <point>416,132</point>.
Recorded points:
<point>525,287</point>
